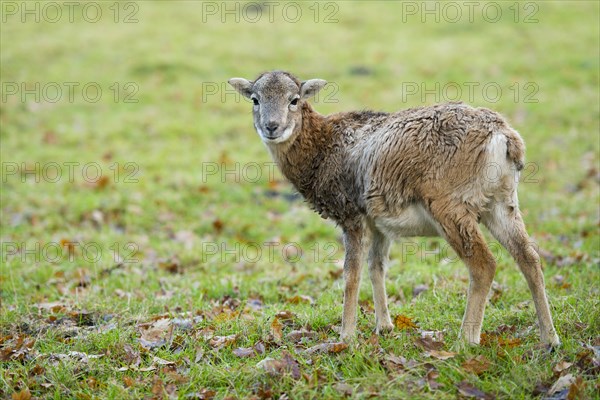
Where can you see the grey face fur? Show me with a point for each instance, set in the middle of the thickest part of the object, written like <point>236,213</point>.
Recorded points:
<point>277,103</point>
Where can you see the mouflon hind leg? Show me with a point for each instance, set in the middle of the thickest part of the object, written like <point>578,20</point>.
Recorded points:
<point>506,224</point>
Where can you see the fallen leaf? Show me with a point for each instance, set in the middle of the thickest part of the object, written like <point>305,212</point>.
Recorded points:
<point>477,365</point>
<point>428,344</point>
<point>159,333</point>
<point>171,390</point>
<point>492,339</point>
<point>171,266</point>
<point>204,394</point>
<point>417,290</point>
<point>73,356</point>
<point>300,299</point>
<point>277,329</point>
<point>327,348</point>
<point>562,383</point>
<point>259,348</point>
<point>24,394</point>
<point>284,315</point>
<point>441,354</point>
<point>468,390</point>
<point>218,225</point>
<point>576,389</point>
<point>286,365</point>
<point>435,335</point>
<point>128,381</point>
<point>344,389</point>
<point>218,342</point>
<point>131,357</point>
<point>395,359</point>
<point>199,355</point>
<point>244,352</point>
<point>18,348</point>
<point>297,335</point>
<point>158,386</point>
<point>431,378</point>
<point>560,367</point>
<point>403,322</point>
<point>160,361</point>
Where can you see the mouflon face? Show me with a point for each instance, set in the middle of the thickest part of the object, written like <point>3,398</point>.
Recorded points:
<point>277,99</point>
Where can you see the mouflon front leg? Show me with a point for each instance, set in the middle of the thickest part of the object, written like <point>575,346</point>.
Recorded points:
<point>353,243</point>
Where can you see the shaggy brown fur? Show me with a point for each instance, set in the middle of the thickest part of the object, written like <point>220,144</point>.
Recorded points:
<point>425,171</point>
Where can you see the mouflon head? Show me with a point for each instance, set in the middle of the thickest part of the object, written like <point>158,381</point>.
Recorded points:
<point>277,99</point>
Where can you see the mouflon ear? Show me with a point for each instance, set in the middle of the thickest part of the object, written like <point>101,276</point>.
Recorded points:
<point>311,87</point>
<point>243,86</point>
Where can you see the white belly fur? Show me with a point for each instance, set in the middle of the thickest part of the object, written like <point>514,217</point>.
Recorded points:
<point>412,221</point>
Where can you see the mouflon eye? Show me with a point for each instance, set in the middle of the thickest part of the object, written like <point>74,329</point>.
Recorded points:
<point>255,101</point>
<point>294,102</point>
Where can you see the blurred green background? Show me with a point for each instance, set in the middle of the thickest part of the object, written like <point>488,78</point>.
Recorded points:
<point>137,90</point>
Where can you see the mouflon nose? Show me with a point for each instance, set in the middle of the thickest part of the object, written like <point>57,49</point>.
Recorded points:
<point>272,126</point>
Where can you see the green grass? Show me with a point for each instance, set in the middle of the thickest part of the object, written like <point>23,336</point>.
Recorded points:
<point>178,240</point>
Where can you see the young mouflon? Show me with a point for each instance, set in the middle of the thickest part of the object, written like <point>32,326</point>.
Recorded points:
<point>429,171</point>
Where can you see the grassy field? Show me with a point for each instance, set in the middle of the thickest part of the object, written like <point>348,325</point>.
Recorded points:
<point>151,250</point>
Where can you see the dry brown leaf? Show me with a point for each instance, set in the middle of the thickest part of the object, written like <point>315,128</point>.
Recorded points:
<point>417,290</point>
<point>428,344</point>
<point>468,390</point>
<point>576,390</point>
<point>160,361</point>
<point>373,340</point>
<point>24,394</point>
<point>171,266</point>
<point>277,329</point>
<point>395,359</point>
<point>431,378</point>
<point>207,394</point>
<point>244,352</point>
<point>327,348</point>
<point>128,381</point>
<point>441,354</point>
<point>286,365</point>
<point>259,348</point>
<point>171,390</point>
<point>18,348</point>
<point>300,299</point>
<point>69,246</point>
<point>159,333</point>
<point>492,339</point>
<point>158,386</point>
<point>297,335</point>
<point>285,315</point>
<point>218,342</point>
<point>199,355</point>
<point>477,365</point>
<point>344,389</point>
<point>218,225</point>
<point>561,366</point>
<point>562,383</point>
<point>403,322</point>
